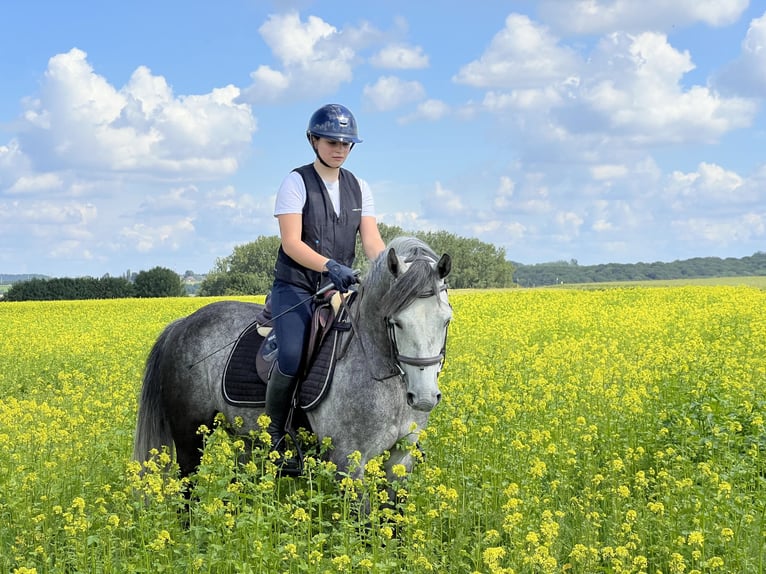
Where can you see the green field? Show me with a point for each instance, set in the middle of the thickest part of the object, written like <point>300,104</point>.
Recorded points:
<point>617,430</point>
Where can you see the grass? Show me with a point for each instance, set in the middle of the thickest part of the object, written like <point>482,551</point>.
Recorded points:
<point>581,431</point>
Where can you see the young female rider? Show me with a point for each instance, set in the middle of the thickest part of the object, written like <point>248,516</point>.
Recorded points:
<point>321,208</point>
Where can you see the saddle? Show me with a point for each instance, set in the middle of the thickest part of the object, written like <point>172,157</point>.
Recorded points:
<point>253,355</point>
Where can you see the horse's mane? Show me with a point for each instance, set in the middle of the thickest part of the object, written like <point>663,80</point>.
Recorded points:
<point>420,278</point>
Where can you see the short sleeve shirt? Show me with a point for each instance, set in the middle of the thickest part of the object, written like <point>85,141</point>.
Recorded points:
<point>291,196</point>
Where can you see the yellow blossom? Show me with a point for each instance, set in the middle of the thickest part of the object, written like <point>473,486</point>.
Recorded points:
<point>695,538</point>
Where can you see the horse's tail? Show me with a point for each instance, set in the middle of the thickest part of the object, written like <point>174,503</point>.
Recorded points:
<point>152,428</point>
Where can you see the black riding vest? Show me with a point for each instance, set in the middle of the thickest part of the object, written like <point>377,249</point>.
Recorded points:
<point>326,232</point>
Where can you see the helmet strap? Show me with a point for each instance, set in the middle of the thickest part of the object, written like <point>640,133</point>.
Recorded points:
<point>316,150</point>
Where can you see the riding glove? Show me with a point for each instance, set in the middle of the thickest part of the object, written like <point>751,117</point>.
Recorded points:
<point>341,276</point>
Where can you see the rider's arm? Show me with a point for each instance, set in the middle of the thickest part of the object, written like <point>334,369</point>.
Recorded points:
<point>371,240</point>
<point>290,227</point>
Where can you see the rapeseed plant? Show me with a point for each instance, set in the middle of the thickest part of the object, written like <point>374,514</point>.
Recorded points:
<point>581,431</point>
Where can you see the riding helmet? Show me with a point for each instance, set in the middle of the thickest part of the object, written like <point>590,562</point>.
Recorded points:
<point>333,122</point>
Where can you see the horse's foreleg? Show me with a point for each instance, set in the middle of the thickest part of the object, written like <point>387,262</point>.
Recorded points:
<point>189,454</point>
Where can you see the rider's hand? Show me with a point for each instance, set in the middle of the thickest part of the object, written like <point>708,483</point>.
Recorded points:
<point>341,276</point>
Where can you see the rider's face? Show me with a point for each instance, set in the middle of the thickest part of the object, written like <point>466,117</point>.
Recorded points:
<point>334,153</point>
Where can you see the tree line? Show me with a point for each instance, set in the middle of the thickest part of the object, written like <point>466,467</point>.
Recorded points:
<point>699,267</point>
<point>157,282</point>
<point>249,270</point>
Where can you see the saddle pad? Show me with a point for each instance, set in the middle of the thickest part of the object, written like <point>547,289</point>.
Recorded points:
<point>242,386</point>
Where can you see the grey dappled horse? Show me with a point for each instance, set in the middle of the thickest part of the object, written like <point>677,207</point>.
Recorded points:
<point>384,382</point>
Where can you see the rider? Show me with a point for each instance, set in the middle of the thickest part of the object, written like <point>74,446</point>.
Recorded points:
<point>321,208</point>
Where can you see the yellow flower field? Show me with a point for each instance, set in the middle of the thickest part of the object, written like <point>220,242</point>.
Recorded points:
<point>620,430</point>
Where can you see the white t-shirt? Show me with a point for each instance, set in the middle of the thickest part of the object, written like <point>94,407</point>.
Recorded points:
<point>291,196</point>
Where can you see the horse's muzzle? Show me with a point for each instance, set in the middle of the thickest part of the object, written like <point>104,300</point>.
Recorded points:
<point>423,404</point>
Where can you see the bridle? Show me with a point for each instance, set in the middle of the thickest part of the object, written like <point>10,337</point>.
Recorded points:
<point>420,362</point>
<point>399,358</point>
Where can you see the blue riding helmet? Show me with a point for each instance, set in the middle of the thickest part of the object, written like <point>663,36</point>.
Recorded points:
<point>333,122</point>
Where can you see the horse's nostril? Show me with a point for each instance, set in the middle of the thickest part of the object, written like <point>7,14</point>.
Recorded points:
<point>438,398</point>
<point>410,398</point>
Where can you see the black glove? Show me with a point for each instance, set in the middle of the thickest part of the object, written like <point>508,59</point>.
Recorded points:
<point>341,276</point>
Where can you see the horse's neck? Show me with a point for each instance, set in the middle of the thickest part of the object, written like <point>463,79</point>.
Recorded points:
<point>372,325</point>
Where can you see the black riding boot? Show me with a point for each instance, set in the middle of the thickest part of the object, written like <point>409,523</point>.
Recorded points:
<point>279,393</point>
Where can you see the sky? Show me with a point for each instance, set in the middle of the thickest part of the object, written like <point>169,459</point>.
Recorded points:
<point>153,133</point>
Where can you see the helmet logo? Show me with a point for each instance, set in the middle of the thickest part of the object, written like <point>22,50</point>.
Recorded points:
<point>343,121</point>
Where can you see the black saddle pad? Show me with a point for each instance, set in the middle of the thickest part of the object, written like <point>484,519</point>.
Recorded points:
<point>242,385</point>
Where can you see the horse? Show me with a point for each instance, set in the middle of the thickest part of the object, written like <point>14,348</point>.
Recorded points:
<point>383,388</point>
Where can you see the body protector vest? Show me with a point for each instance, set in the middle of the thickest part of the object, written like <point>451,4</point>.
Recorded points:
<point>333,235</point>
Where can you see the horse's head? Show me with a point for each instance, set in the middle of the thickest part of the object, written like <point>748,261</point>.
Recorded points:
<point>417,313</point>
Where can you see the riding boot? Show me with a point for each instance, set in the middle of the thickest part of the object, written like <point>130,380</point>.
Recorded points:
<point>279,392</point>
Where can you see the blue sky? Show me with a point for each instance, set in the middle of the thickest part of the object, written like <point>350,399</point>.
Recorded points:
<point>596,130</point>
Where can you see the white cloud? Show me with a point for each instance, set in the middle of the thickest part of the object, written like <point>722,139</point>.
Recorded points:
<point>503,193</point>
<point>145,238</point>
<point>12,161</point>
<point>174,201</point>
<point>44,225</point>
<point>443,202</point>
<point>635,84</point>
<point>36,183</point>
<point>524,54</point>
<point>602,225</point>
<point>599,16</point>
<point>569,222</point>
<point>523,99</point>
<point>710,186</point>
<point>315,56</point>
<point>390,92</point>
<point>723,230</point>
<point>407,220</point>
<point>80,121</point>
<point>747,74</point>
<point>400,57</point>
<point>429,110</point>
<point>627,93</point>
<point>293,41</point>
<point>608,171</point>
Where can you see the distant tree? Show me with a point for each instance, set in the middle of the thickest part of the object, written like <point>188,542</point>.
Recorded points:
<point>549,273</point>
<point>475,264</point>
<point>218,284</point>
<point>249,270</point>
<point>66,288</point>
<point>257,257</point>
<point>158,282</point>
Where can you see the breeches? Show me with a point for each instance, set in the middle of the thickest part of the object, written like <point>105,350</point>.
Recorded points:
<point>292,327</point>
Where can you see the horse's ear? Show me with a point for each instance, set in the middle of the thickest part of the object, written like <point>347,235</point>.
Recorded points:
<point>444,266</point>
<point>393,262</point>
